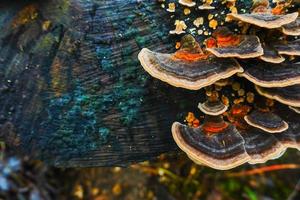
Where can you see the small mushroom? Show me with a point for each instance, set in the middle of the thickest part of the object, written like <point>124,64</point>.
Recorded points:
<point>216,143</point>
<point>266,121</point>
<point>292,28</point>
<point>213,106</point>
<point>206,5</point>
<point>272,75</point>
<point>286,95</point>
<point>226,44</point>
<point>291,48</point>
<point>189,67</point>
<point>188,3</point>
<point>261,146</point>
<point>262,16</point>
<point>291,137</point>
<point>271,55</point>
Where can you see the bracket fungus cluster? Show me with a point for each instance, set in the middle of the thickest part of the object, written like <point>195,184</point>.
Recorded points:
<point>249,118</point>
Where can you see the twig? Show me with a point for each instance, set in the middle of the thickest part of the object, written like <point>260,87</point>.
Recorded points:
<point>264,170</point>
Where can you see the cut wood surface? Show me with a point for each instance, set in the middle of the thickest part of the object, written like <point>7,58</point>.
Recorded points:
<point>72,91</point>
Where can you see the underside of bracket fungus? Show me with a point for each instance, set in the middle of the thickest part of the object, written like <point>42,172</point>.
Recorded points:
<point>266,121</point>
<point>272,75</point>
<point>226,44</point>
<point>189,67</point>
<point>262,16</point>
<point>286,95</point>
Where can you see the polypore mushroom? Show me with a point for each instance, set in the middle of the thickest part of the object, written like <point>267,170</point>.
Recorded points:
<point>272,75</point>
<point>286,95</point>
<point>261,146</point>
<point>271,55</point>
<point>291,137</point>
<point>189,67</point>
<point>291,48</point>
<point>262,16</point>
<point>215,143</point>
<point>292,28</point>
<point>266,121</point>
<point>226,44</point>
<point>213,106</point>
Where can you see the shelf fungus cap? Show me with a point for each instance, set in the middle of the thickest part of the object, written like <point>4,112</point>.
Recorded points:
<point>225,44</point>
<point>189,67</point>
<point>271,55</point>
<point>266,121</point>
<point>261,146</point>
<point>291,137</point>
<point>292,28</point>
<point>271,75</point>
<point>188,3</point>
<point>222,150</point>
<point>286,95</point>
<point>265,19</point>
<point>213,106</point>
<point>291,48</point>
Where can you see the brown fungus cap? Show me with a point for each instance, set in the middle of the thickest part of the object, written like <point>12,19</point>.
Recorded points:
<point>213,106</point>
<point>286,95</point>
<point>291,48</point>
<point>266,121</point>
<point>220,145</point>
<point>221,150</point>
<point>189,67</point>
<point>291,137</point>
<point>271,75</point>
<point>228,44</point>
<point>265,19</point>
<point>271,55</point>
<point>292,28</point>
<point>261,146</point>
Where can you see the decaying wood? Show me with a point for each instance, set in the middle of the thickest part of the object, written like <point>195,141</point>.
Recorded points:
<point>71,89</point>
